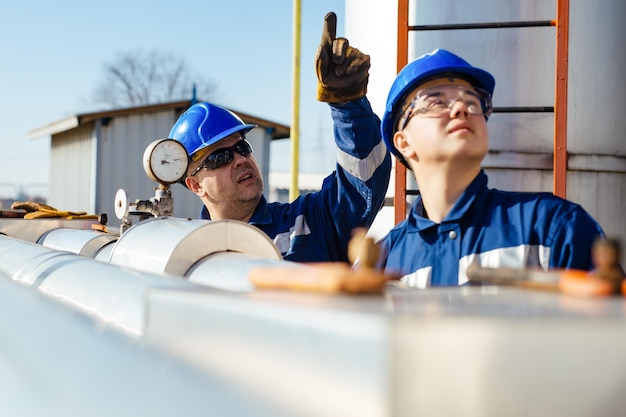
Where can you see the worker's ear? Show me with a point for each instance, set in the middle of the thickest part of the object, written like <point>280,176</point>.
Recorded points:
<point>194,186</point>
<point>403,145</point>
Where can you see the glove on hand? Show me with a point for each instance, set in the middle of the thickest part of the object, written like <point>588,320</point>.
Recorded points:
<point>342,71</point>
<point>36,210</point>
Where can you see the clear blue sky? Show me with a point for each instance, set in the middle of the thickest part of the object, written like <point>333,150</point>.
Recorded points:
<point>53,53</point>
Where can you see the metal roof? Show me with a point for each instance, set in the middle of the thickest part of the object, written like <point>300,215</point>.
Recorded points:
<point>279,131</point>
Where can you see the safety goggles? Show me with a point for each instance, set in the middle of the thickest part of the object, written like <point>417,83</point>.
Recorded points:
<point>224,156</point>
<point>436,101</point>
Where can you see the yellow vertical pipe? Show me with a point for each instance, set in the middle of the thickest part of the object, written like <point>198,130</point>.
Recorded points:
<point>294,190</point>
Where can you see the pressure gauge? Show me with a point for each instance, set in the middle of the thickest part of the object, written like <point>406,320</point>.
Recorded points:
<point>165,161</point>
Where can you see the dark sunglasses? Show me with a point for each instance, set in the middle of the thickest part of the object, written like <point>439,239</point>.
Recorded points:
<point>224,156</point>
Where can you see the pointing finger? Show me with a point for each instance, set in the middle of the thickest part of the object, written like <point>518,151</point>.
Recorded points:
<point>329,32</point>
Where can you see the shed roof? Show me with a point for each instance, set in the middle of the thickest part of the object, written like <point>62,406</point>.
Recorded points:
<point>279,130</point>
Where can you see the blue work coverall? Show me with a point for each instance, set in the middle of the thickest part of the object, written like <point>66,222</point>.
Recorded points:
<point>490,228</point>
<point>316,227</point>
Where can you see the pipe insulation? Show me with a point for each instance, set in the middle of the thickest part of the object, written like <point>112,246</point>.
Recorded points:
<point>108,293</point>
<point>89,243</point>
<point>68,264</point>
<point>174,245</point>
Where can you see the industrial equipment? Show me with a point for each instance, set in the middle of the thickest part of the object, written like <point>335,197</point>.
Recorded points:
<point>160,318</point>
<point>163,319</point>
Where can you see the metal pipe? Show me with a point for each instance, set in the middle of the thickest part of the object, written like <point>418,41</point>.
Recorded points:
<point>107,277</point>
<point>295,104</point>
<point>229,270</point>
<point>56,364</point>
<point>400,190</point>
<point>108,293</point>
<point>560,102</point>
<point>173,245</point>
<point>486,25</point>
<point>87,243</point>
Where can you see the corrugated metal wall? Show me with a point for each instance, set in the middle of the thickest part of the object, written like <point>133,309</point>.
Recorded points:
<point>72,170</point>
<point>596,123</point>
<point>121,144</point>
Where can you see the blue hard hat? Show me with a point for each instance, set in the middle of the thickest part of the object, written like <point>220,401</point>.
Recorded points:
<point>204,124</point>
<point>439,61</point>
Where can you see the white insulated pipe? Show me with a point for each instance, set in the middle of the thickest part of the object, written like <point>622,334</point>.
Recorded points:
<point>89,243</point>
<point>106,292</point>
<point>173,245</point>
<point>107,277</point>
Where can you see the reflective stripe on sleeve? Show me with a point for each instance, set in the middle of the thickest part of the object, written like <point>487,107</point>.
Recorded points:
<point>362,169</point>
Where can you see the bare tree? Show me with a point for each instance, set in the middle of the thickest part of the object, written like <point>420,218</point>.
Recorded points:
<point>136,78</point>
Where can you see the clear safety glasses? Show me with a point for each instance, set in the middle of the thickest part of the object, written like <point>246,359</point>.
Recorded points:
<point>224,156</point>
<point>437,101</point>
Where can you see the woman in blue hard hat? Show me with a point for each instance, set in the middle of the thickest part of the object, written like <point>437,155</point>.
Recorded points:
<point>315,227</point>
<point>435,122</point>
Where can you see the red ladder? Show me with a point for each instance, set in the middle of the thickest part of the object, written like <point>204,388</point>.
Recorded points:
<point>561,22</point>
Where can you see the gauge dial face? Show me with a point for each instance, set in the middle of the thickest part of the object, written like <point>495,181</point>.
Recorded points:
<point>165,161</point>
<point>121,204</point>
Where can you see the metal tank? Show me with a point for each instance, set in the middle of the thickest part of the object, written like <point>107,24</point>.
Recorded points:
<point>523,63</point>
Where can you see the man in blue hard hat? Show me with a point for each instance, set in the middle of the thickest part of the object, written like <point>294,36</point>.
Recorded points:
<point>435,122</point>
<point>315,227</point>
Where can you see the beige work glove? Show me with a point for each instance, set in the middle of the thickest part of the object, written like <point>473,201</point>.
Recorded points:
<point>36,210</point>
<point>342,71</point>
